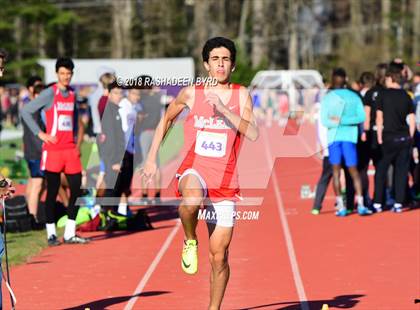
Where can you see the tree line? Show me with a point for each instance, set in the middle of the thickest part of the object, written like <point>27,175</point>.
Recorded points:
<point>270,34</point>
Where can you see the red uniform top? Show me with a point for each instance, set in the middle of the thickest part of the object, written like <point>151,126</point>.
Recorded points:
<point>211,146</point>
<point>59,121</point>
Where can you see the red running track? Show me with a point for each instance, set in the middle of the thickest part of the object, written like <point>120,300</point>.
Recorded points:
<point>359,263</point>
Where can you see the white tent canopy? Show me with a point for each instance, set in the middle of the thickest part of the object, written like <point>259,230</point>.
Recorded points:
<point>298,84</point>
<point>285,79</point>
<point>86,70</point>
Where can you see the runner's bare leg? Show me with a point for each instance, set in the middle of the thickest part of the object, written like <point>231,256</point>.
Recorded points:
<point>220,238</point>
<point>192,197</point>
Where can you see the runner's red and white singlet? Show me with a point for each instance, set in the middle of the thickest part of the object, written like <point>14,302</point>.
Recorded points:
<point>62,156</point>
<point>59,121</point>
<point>211,146</point>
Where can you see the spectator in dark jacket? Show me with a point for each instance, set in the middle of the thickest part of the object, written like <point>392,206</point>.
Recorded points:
<point>114,144</point>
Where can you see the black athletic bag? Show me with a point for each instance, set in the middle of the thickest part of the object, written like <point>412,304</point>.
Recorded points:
<point>18,218</point>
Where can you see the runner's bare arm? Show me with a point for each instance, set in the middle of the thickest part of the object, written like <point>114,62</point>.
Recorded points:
<point>184,98</point>
<point>245,123</point>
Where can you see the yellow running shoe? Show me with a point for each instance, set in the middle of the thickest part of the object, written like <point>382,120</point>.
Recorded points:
<point>189,257</point>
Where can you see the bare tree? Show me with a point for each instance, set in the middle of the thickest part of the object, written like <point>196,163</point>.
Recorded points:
<point>201,25</point>
<point>60,42</point>
<point>416,30</point>
<point>217,22</point>
<point>242,24</point>
<point>258,51</point>
<point>401,28</point>
<point>42,41</point>
<point>356,20</point>
<point>293,35</point>
<point>122,14</point>
<point>18,40</point>
<point>385,12</point>
<point>75,40</point>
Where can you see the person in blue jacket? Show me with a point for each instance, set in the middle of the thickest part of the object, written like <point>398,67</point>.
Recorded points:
<point>342,112</point>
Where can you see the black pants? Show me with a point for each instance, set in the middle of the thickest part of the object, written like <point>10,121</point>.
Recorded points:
<point>53,185</point>
<point>118,183</point>
<point>324,180</point>
<point>399,152</point>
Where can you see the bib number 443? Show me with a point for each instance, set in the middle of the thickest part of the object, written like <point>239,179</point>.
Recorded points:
<point>210,144</point>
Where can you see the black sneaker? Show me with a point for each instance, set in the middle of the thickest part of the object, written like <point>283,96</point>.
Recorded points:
<point>53,241</point>
<point>77,240</point>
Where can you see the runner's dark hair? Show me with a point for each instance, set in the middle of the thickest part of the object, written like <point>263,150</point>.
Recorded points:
<point>218,42</point>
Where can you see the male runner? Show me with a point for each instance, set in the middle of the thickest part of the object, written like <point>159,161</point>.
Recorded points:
<point>60,152</point>
<point>219,116</point>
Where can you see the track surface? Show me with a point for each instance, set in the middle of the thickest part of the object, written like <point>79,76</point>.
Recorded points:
<point>361,263</point>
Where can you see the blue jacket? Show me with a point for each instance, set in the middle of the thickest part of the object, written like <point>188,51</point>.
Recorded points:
<point>346,105</point>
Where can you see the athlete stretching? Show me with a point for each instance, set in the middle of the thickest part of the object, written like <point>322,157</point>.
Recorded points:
<point>219,116</point>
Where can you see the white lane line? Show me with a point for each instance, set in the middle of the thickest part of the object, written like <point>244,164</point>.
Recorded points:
<point>152,267</point>
<point>286,230</point>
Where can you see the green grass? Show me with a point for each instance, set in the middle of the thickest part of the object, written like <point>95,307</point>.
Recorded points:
<point>9,167</point>
<point>7,152</point>
<point>22,246</point>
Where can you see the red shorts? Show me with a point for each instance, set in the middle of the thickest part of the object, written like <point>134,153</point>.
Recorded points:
<point>67,161</point>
